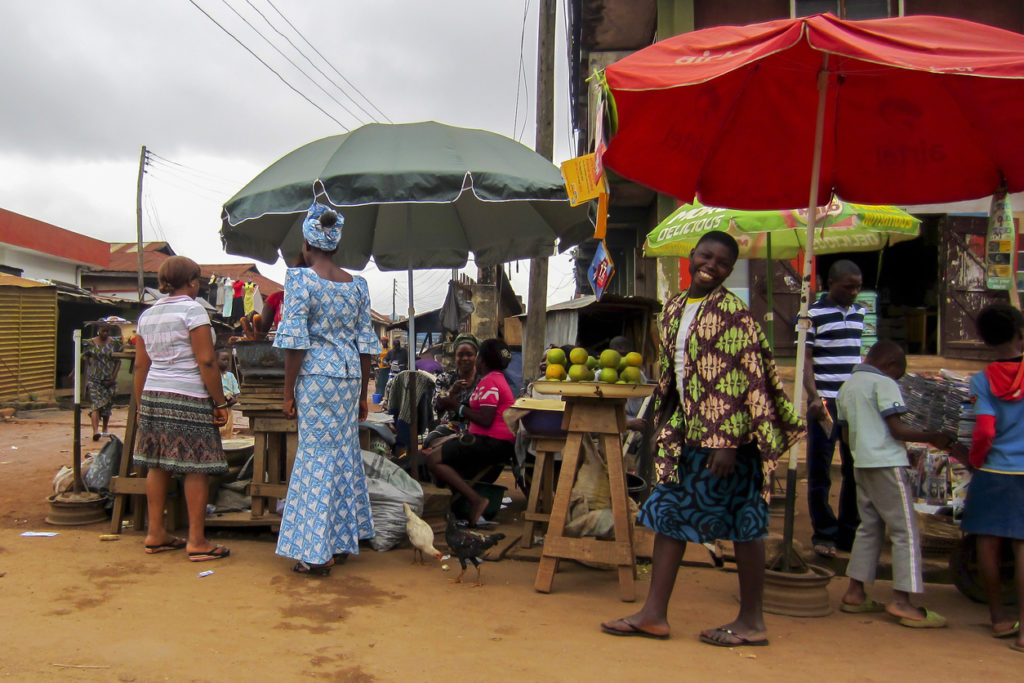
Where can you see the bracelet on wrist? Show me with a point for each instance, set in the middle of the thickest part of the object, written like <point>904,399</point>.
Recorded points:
<point>216,407</point>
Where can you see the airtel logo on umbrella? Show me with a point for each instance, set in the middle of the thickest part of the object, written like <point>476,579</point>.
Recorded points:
<point>905,115</point>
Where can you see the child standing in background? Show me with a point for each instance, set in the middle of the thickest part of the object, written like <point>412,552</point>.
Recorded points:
<point>229,384</point>
<point>994,509</point>
<point>869,407</point>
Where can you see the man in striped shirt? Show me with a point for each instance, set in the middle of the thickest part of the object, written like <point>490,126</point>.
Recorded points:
<point>833,350</point>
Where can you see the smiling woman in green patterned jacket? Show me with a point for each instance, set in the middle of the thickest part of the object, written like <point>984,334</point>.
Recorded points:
<point>723,421</point>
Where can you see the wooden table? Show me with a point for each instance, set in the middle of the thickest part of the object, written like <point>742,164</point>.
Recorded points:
<point>597,410</point>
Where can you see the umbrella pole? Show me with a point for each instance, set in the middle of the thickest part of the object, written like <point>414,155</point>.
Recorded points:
<point>770,317</point>
<point>414,433</point>
<point>77,444</point>
<point>803,323</point>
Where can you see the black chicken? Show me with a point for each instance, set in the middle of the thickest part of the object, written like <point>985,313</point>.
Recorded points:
<point>468,546</point>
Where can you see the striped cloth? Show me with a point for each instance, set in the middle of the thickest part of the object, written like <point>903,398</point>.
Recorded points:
<point>165,328</point>
<point>834,340</point>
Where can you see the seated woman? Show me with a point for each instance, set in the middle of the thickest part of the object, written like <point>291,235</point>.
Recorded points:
<point>453,389</point>
<point>489,442</point>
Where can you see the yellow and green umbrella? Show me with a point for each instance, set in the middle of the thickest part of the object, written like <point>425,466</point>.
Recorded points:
<point>845,226</point>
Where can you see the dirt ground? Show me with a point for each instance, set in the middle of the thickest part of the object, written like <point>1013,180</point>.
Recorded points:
<point>78,609</point>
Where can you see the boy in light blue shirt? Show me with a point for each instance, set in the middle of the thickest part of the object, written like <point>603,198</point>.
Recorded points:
<point>869,407</point>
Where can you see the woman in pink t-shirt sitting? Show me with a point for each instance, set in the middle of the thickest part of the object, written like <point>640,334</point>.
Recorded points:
<point>489,443</point>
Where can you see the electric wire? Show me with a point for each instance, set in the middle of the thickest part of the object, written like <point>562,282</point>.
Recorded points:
<point>521,79</point>
<point>342,90</point>
<point>192,169</point>
<point>198,182</point>
<point>290,61</point>
<point>327,61</point>
<point>258,58</point>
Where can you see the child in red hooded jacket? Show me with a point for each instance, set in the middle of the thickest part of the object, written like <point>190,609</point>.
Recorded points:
<point>994,509</point>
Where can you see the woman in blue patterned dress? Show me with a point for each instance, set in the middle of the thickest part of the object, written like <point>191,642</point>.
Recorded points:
<point>330,347</point>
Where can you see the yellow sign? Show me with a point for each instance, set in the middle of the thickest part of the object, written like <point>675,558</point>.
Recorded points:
<point>602,216</point>
<point>581,182</point>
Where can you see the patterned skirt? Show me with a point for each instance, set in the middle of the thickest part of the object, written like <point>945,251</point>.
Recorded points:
<point>328,506</point>
<point>177,434</point>
<point>100,397</point>
<point>703,508</point>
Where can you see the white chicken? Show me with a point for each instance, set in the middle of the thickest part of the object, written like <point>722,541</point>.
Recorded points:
<point>421,536</point>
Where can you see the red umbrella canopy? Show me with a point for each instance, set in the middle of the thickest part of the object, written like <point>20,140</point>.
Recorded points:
<point>918,109</point>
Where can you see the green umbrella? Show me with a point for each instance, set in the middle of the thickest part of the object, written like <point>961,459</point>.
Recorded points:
<point>414,195</point>
<point>845,226</point>
<point>782,234</point>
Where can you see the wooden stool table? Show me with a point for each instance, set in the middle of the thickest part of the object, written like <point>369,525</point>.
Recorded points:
<point>276,440</point>
<point>542,485</point>
<point>598,410</point>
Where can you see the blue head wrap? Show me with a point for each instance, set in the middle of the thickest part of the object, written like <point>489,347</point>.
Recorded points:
<point>323,237</point>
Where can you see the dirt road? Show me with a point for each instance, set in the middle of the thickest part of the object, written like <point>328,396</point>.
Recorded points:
<point>77,609</point>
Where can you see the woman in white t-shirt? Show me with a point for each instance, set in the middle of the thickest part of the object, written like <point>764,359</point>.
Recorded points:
<point>181,405</point>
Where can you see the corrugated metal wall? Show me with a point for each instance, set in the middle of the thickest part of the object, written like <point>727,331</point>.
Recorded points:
<point>28,341</point>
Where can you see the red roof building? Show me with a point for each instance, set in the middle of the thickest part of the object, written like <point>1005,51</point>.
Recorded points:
<point>33,249</point>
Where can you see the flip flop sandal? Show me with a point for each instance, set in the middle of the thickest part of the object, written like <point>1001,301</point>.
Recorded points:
<point>1018,648</point>
<point>742,641</point>
<point>1006,633</point>
<point>868,606</point>
<point>825,550</point>
<point>312,569</point>
<point>218,552</point>
<point>173,544</point>
<point>633,631</point>
<point>931,620</point>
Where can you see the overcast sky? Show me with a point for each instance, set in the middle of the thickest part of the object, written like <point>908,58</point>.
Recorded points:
<point>86,84</point>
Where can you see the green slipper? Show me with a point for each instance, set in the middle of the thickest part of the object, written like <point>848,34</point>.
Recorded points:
<point>1006,633</point>
<point>931,620</point>
<point>869,605</point>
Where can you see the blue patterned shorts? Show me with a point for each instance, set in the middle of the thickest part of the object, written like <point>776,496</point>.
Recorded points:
<point>703,508</point>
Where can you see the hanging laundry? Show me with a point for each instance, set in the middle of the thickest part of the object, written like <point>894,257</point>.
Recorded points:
<point>228,299</point>
<point>248,303</point>
<point>257,298</point>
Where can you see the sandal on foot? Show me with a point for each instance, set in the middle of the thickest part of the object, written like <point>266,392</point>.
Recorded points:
<point>1006,633</point>
<point>174,544</point>
<point>931,620</point>
<point>312,569</point>
<point>1018,648</point>
<point>218,552</point>
<point>632,630</point>
<point>738,640</point>
<point>869,605</point>
<point>825,549</point>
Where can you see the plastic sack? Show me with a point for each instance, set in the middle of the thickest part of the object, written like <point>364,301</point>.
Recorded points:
<point>104,465</point>
<point>389,486</point>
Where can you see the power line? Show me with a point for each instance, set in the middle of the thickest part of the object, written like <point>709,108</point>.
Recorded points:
<point>289,60</point>
<point>197,181</point>
<point>303,54</point>
<point>326,61</point>
<point>213,176</point>
<point>521,78</point>
<point>196,190</point>
<point>282,78</point>
<point>569,130</point>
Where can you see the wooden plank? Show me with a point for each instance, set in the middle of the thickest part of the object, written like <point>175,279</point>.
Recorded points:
<point>274,424</point>
<point>590,550</point>
<point>497,552</point>
<point>259,470</point>
<point>127,486</point>
<point>269,491</point>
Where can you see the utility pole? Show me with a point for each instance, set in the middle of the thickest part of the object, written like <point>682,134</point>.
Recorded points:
<point>138,223</point>
<point>394,292</point>
<point>537,303</point>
